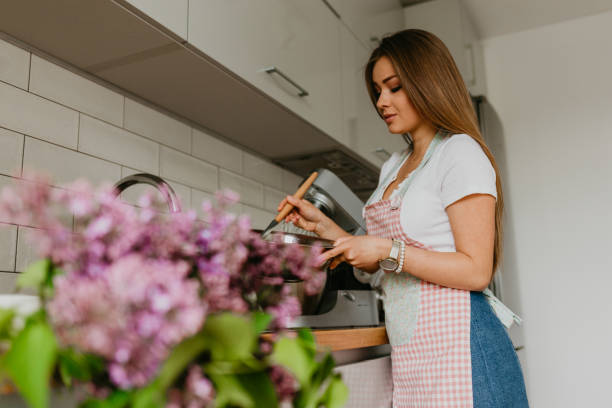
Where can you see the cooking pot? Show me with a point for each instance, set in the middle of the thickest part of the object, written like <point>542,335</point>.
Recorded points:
<point>309,303</point>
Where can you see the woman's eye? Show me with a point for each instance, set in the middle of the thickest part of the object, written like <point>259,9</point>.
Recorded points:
<point>397,88</point>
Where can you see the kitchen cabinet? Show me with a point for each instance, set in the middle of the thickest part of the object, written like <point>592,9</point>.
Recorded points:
<point>369,382</point>
<point>300,39</point>
<point>171,14</point>
<point>363,131</point>
<point>448,20</point>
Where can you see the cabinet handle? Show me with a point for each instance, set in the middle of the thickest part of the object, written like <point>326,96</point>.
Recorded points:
<point>274,70</point>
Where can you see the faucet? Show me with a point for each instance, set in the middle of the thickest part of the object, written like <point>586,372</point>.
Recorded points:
<point>164,188</point>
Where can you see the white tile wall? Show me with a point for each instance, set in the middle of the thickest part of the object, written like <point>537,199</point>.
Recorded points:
<point>11,152</point>
<point>216,151</point>
<point>117,145</point>
<point>7,282</point>
<point>66,165</point>
<point>58,84</point>
<point>260,219</point>
<point>157,126</point>
<point>8,238</point>
<point>26,253</point>
<point>188,170</point>
<point>14,65</point>
<point>262,171</point>
<point>32,115</point>
<point>291,182</point>
<point>79,129</point>
<point>272,198</point>
<point>251,192</point>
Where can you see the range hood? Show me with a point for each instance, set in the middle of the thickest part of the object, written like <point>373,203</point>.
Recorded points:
<point>116,44</point>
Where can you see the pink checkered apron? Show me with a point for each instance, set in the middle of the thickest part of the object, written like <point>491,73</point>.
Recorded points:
<point>431,362</point>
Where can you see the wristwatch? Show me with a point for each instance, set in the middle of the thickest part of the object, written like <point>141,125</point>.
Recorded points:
<point>391,262</point>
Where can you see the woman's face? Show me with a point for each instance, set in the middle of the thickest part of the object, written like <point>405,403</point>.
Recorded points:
<point>393,103</point>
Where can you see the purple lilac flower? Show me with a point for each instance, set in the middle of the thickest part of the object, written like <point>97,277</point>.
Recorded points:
<point>198,391</point>
<point>131,315</point>
<point>285,384</point>
<point>137,282</point>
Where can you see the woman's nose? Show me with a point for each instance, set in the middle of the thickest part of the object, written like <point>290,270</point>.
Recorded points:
<point>382,101</point>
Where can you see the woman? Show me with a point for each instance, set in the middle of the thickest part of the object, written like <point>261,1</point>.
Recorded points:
<point>434,228</point>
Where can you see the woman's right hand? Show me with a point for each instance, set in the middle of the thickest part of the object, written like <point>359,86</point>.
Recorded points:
<point>308,217</point>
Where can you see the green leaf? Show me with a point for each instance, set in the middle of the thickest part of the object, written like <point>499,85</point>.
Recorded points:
<point>261,321</point>
<point>30,362</point>
<point>308,341</point>
<point>230,337</point>
<point>81,366</point>
<point>35,274</point>
<point>118,399</point>
<point>323,370</point>
<point>230,392</point>
<point>152,396</point>
<point>180,357</point>
<point>292,355</point>
<point>261,389</point>
<point>6,322</point>
<point>336,394</point>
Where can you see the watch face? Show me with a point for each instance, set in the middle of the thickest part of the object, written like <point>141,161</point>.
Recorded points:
<point>388,264</point>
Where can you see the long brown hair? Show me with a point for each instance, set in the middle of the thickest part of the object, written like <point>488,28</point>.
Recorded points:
<point>431,80</point>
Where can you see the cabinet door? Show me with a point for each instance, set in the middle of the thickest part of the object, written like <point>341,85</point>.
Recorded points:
<point>299,38</point>
<point>369,382</point>
<point>363,130</point>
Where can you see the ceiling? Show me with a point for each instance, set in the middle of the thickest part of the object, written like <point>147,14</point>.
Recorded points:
<point>497,17</point>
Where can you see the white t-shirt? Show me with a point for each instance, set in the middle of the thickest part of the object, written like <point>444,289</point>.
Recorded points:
<point>457,168</point>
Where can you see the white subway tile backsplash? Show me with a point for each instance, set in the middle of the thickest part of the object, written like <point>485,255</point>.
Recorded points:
<point>58,84</point>
<point>250,191</point>
<point>8,280</point>
<point>197,198</point>
<point>260,219</point>
<point>291,181</point>
<point>26,251</point>
<point>14,65</point>
<point>261,170</point>
<point>272,198</point>
<point>65,165</point>
<point>115,144</point>
<point>11,153</point>
<point>187,170</point>
<point>32,115</point>
<point>157,126</point>
<point>8,246</point>
<point>215,151</point>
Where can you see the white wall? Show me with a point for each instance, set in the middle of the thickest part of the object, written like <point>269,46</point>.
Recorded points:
<point>56,121</point>
<point>552,89</point>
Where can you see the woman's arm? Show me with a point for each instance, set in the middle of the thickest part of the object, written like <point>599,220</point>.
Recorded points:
<point>472,221</point>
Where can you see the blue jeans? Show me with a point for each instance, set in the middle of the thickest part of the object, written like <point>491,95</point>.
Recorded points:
<point>497,379</point>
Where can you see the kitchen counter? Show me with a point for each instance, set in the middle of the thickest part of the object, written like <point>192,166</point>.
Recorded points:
<point>353,344</point>
<point>351,338</point>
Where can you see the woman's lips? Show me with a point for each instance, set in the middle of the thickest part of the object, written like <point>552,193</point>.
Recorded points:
<point>389,118</point>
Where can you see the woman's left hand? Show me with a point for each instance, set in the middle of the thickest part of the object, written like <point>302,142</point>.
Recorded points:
<point>362,252</point>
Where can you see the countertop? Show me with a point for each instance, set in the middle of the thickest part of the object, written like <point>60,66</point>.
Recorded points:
<point>351,338</point>
<point>336,339</point>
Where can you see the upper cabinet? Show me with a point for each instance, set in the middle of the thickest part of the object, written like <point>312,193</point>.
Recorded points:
<point>448,20</point>
<point>289,49</point>
<point>171,14</point>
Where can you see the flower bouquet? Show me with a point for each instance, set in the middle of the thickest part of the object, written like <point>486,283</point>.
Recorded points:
<point>145,309</point>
